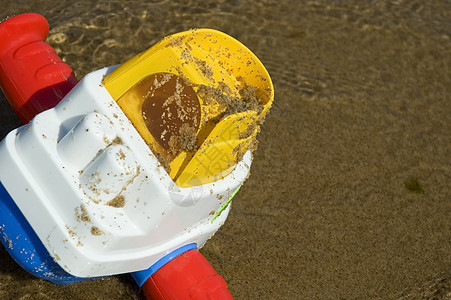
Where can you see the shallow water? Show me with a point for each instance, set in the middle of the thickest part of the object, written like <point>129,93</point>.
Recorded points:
<point>362,108</point>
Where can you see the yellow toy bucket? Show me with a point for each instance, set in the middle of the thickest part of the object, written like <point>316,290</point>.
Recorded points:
<point>197,98</point>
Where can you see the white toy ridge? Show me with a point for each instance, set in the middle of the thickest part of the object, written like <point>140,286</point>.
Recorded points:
<point>96,195</point>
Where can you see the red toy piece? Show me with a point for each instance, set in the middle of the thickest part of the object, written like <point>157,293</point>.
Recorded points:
<point>188,276</point>
<point>32,76</point>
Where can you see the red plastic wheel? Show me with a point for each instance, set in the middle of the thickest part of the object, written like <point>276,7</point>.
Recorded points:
<point>188,276</point>
<point>32,76</point>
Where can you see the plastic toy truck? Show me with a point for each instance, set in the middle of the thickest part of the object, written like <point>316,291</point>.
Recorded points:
<point>132,169</point>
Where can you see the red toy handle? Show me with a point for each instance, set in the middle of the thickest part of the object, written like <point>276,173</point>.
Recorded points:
<point>32,76</point>
<point>188,276</point>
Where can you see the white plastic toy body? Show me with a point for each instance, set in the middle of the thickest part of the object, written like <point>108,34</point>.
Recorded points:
<point>96,195</point>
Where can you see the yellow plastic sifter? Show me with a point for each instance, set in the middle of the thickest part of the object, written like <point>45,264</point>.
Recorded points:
<point>197,98</point>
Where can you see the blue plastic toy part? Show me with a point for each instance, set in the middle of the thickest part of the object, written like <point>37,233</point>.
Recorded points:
<point>142,276</point>
<point>24,245</point>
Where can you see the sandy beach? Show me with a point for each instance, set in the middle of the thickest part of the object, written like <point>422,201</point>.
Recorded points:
<point>349,195</point>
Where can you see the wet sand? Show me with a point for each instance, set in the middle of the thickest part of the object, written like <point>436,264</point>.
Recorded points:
<point>349,196</point>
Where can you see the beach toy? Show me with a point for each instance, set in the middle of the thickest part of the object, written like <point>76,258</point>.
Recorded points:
<point>132,169</point>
